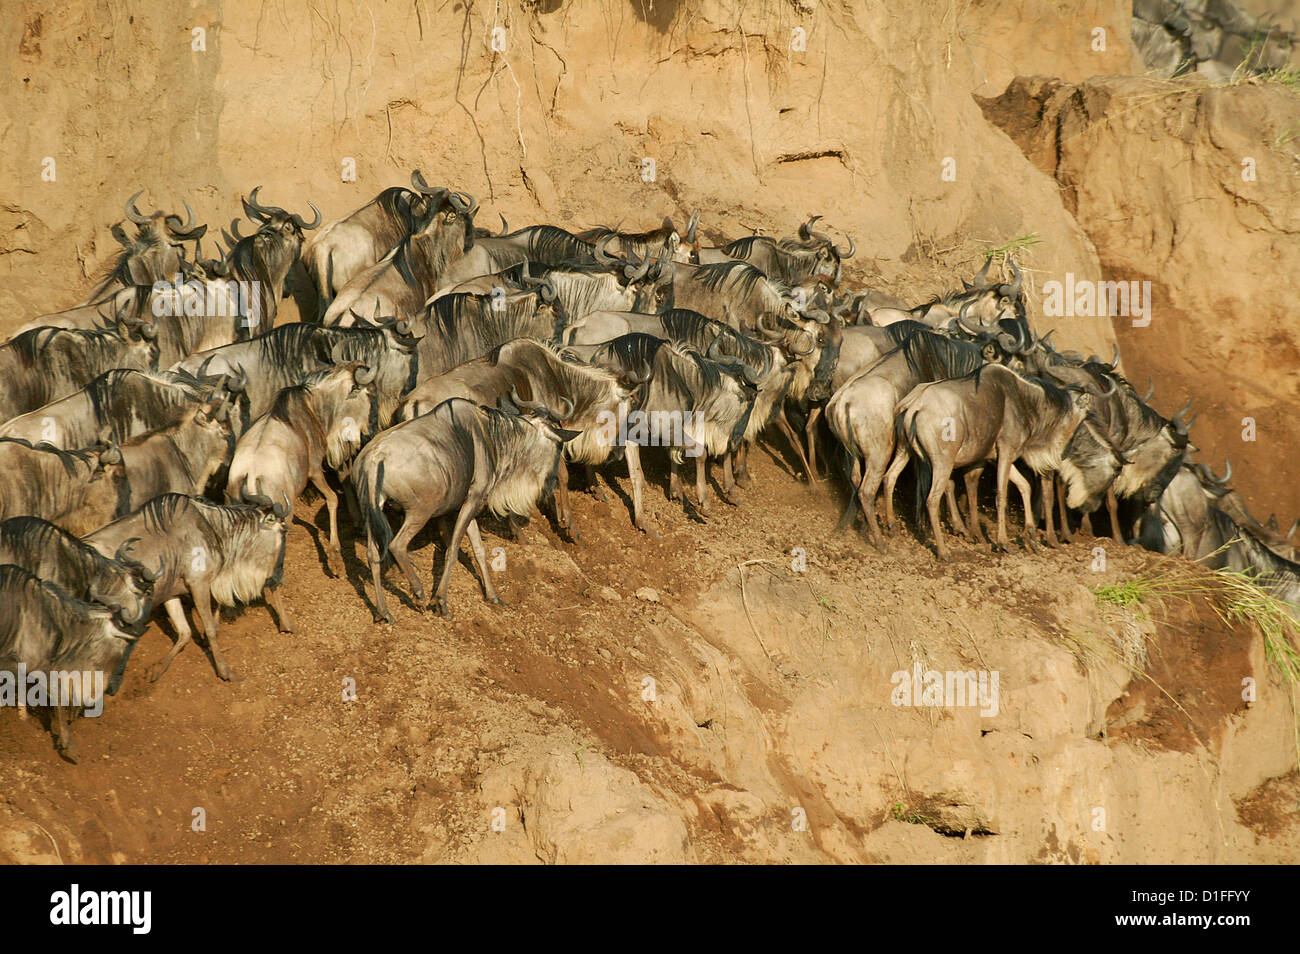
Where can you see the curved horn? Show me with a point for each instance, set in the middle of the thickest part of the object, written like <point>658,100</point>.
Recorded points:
<point>1151,389</point>
<point>692,226</point>
<point>1046,340</point>
<point>1012,290</point>
<point>805,232</point>
<point>234,230</point>
<point>566,409</point>
<point>526,405</point>
<point>179,229</point>
<point>505,226</point>
<point>961,320</point>
<point>254,209</point>
<point>1115,361</point>
<point>280,508</point>
<point>336,353</point>
<point>298,221</point>
<point>601,256</point>
<point>983,274</point>
<point>364,375</point>
<point>260,500</point>
<point>236,382</point>
<point>812,343</point>
<point>1208,475</point>
<point>639,272</point>
<point>419,185</point>
<point>1177,420</point>
<point>1112,387</point>
<point>852,249</point>
<point>463,202</point>
<point>132,212</point>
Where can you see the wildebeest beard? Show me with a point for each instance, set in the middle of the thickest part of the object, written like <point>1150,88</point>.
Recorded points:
<point>820,388</point>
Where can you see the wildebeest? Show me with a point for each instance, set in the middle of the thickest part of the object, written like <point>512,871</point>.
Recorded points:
<point>153,255</point>
<point>347,246</point>
<point>545,244</point>
<point>401,282</point>
<point>791,261</point>
<point>231,554</point>
<point>122,308</point>
<point>183,457</point>
<point>462,457</point>
<point>45,630</point>
<point>45,364</point>
<point>79,490</point>
<point>586,399</point>
<point>695,406</point>
<point>649,244</point>
<point>989,302</point>
<point>459,328</point>
<point>285,355</point>
<point>861,413</point>
<point>320,421</point>
<point>115,407</point>
<point>263,260</point>
<point>997,413</point>
<point>50,552</point>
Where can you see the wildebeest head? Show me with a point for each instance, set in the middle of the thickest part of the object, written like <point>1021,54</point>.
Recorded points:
<point>827,257</point>
<point>1089,463</point>
<point>156,251</point>
<point>451,215</point>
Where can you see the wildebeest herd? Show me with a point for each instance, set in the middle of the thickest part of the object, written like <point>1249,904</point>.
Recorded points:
<point>156,437</point>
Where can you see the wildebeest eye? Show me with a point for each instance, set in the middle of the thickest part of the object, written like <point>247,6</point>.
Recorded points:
<point>451,216</point>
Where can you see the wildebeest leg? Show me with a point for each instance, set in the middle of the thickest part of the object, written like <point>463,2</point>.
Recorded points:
<point>1066,535</point>
<point>939,479</point>
<point>728,478</point>
<point>634,474</point>
<point>593,483</point>
<point>176,613</point>
<point>413,522</point>
<point>1027,500</point>
<point>973,519</point>
<point>62,725</point>
<point>701,480</point>
<point>743,479</point>
<point>851,505</point>
<point>468,510</point>
<point>810,436</point>
<point>1112,508</point>
<point>950,495</point>
<point>476,544</point>
<point>1085,524</point>
<point>318,481</point>
<point>674,481</point>
<point>210,623</point>
<point>783,425</point>
<point>272,597</point>
<point>1048,483</point>
<point>563,515</point>
<point>350,499</point>
<point>1004,473</point>
<point>902,456</point>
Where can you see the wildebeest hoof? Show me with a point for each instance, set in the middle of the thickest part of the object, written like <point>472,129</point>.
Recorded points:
<point>384,617</point>
<point>496,601</point>
<point>67,752</point>
<point>229,675</point>
<point>743,481</point>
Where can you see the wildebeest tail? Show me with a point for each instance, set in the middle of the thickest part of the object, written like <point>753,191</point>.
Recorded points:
<point>370,500</point>
<point>905,431</point>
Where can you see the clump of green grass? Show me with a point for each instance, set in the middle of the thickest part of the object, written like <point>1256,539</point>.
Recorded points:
<point>1234,597</point>
<point>1001,253</point>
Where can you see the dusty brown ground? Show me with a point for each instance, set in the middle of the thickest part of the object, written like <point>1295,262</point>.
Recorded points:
<point>774,699</point>
<point>528,733</point>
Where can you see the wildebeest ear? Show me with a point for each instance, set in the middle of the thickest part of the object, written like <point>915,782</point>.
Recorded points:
<point>138,271</point>
<point>565,434</point>
<point>1083,400</point>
